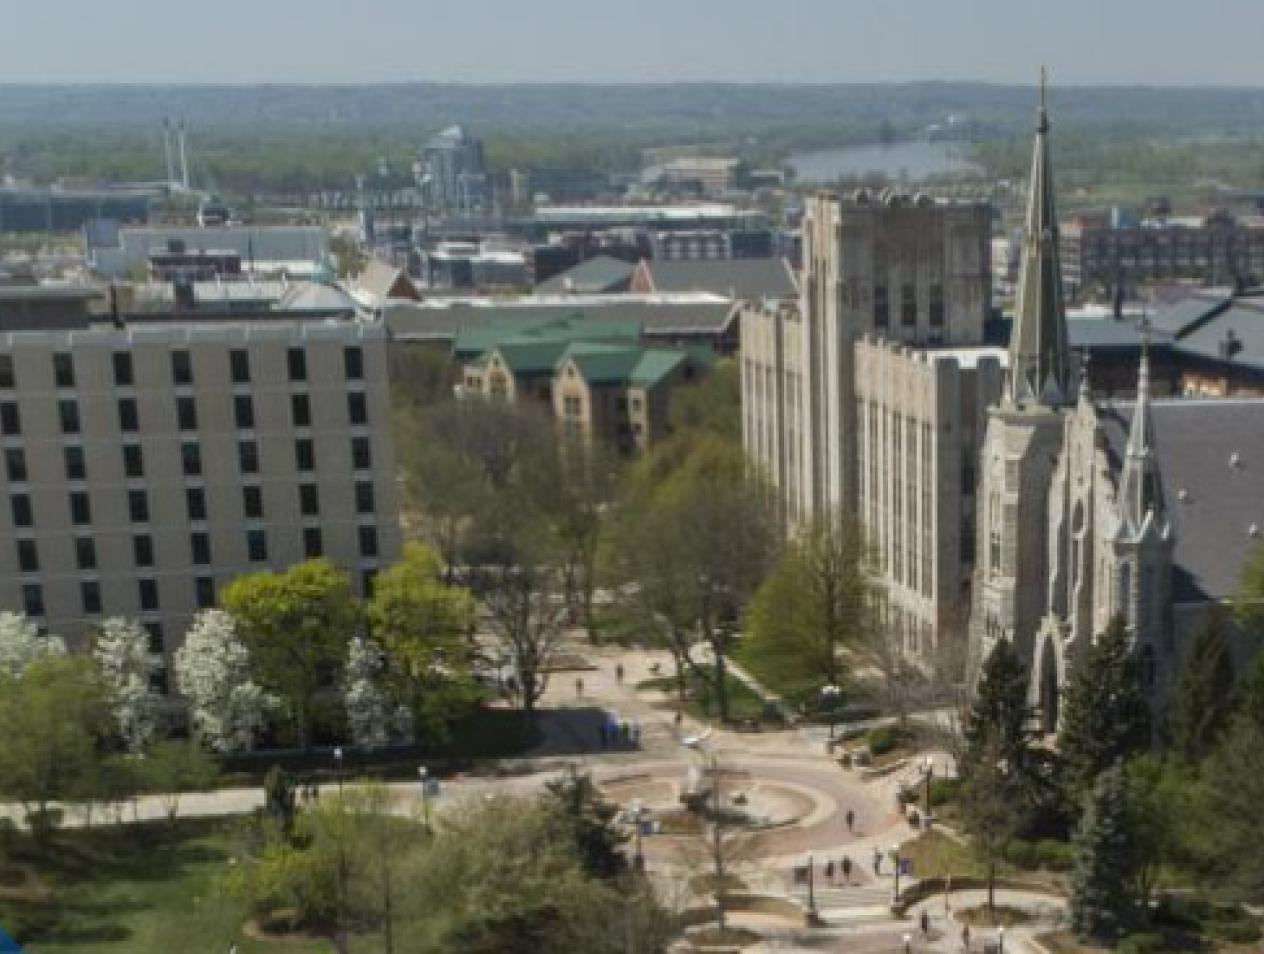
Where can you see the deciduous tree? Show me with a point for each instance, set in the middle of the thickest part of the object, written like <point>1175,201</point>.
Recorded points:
<point>121,649</point>
<point>1203,696</point>
<point>21,644</point>
<point>213,671</point>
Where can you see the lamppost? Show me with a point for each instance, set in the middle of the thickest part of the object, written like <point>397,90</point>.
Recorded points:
<point>1000,940</point>
<point>342,874</point>
<point>908,944</point>
<point>811,884</point>
<point>423,775</point>
<point>895,857</point>
<point>930,772</point>
<point>830,694</point>
<point>637,809</point>
<point>338,763</point>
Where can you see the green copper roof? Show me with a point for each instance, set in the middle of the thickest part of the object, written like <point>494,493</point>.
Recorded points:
<point>655,365</point>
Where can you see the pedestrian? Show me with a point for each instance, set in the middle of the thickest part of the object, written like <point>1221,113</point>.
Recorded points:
<point>636,733</point>
<point>851,820</point>
<point>925,923</point>
<point>829,871</point>
<point>618,673</point>
<point>877,861</point>
<point>579,688</point>
<point>680,717</point>
<point>846,866</point>
<point>965,936</point>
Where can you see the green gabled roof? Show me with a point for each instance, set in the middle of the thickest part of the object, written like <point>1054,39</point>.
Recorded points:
<point>558,330</point>
<point>656,364</point>
<point>526,356</point>
<point>602,363</point>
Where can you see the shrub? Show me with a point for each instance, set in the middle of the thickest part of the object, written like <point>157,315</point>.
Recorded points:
<point>1046,853</point>
<point>944,790</point>
<point>885,738</point>
<point>1242,931</point>
<point>1147,943</point>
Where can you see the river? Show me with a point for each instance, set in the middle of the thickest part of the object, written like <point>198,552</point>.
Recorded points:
<point>911,161</point>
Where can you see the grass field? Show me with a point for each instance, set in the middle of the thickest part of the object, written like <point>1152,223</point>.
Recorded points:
<point>743,702</point>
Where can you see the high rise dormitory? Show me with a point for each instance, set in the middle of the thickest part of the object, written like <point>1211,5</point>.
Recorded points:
<point>146,467</point>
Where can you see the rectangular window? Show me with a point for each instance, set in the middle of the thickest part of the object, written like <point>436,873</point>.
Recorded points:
<point>143,550</point>
<point>138,506</point>
<point>881,307</point>
<point>361,459</point>
<point>21,506</point>
<point>7,380</point>
<point>936,306</point>
<point>76,469</point>
<point>204,591</point>
<point>85,553</point>
<point>200,547</point>
<point>304,454</point>
<point>133,461</point>
<point>248,457</point>
<point>301,410</point>
<point>244,411</point>
<point>191,458</point>
<point>90,596</point>
<point>129,418</point>
<point>148,590</point>
<point>908,305</point>
<point>296,361</point>
<point>195,502</point>
<point>28,556</point>
<point>10,419</point>
<point>308,500</point>
<point>257,545</point>
<point>15,464</point>
<point>239,365</point>
<point>313,547</point>
<point>64,370</point>
<point>181,368</point>
<point>252,502</point>
<point>157,642</point>
<point>364,496</point>
<point>368,541</point>
<point>33,599</point>
<point>353,362</point>
<point>357,408</point>
<point>80,508</point>
<point>186,413</point>
<point>68,414</point>
<point>124,375</point>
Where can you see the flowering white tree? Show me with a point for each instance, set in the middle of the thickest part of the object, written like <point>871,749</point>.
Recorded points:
<point>21,644</point>
<point>213,673</point>
<point>121,649</point>
<point>369,711</point>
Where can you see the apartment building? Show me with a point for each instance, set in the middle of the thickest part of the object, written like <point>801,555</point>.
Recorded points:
<point>146,467</point>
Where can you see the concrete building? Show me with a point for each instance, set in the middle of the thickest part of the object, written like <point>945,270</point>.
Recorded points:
<point>146,467</point>
<point>297,251</point>
<point>45,209</point>
<point>454,175</point>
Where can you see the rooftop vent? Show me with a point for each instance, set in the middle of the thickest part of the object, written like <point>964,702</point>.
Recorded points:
<point>1182,494</point>
<point>1253,530</point>
<point>1235,459</point>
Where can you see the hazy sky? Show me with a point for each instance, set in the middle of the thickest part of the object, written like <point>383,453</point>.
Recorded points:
<point>1083,41</point>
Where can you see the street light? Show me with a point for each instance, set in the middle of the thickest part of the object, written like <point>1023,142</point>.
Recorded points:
<point>423,776</point>
<point>811,884</point>
<point>908,944</point>
<point>895,856</point>
<point>338,762</point>
<point>1000,940</point>
<point>830,695</point>
<point>636,809</point>
<point>930,772</point>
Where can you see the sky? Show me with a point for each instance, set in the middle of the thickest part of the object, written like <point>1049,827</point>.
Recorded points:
<point>1143,42</point>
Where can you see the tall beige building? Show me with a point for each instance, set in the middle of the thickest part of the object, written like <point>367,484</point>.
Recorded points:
<point>146,467</point>
<point>869,396</point>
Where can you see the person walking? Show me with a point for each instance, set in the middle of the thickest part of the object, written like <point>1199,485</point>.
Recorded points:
<point>845,865</point>
<point>877,861</point>
<point>851,820</point>
<point>618,673</point>
<point>579,688</point>
<point>925,923</point>
<point>829,871</point>
<point>965,936</point>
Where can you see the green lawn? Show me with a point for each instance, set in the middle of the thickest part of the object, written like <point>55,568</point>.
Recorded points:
<point>743,702</point>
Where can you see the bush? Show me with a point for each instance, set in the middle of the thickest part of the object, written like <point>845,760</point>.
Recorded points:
<point>886,738</point>
<point>1047,853</point>
<point>944,790</point>
<point>1147,943</point>
<point>1242,931</point>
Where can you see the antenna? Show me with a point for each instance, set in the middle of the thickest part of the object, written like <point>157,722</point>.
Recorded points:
<point>184,159</point>
<point>166,148</point>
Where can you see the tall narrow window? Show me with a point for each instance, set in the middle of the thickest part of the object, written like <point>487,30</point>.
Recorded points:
<point>64,370</point>
<point>239,364</point>
<point>124,375</point>
<point>20,504</point>
<point>133,461</point>
<point>186,413</point>
<point>15,464</point>
<point>353,362</point>
<point>301,410</point>
<point>361,458</point>
<point>10,418</point>
<point>881,307</point>
<point>181,368</point>
<point>244,411</point>
<point>248,457</point>
<point>296,361</point>
<point>357,408</point>
<point>129,418</point>
<point>68,414</point>
<point>76,469</point>
<point>80,508</point>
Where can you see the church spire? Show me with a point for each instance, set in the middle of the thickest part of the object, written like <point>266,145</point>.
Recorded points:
<point>1040,364</point>
<point>1141,492</point>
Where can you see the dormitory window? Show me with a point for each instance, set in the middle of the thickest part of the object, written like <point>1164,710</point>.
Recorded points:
<point>157,644</point>
<point>204,592</point>
<point>368,579</point>
<point>80,508</point>
<point>68,413</point>
<point>353,362</point>
<point>10,419</point>
<point>85,553</point>
<point>181,368</point>
<point>6,371</point>
<point>361,459</point>
<point>252,502</point>
<point>15,464</point>
<point>244,412</point>
<point>133,461</point>
<point>304,454</point>
<point>936,306</point>
<point>368,541</point>
<point>138,506</point>
<point>129,419</point>
<point>364,496</point>
<point>312,546</point>
<point>357,408</point>
<point>908,305</point>
<point>308,500</point>
<point>195,502</point>
<point>143,549</point>
<point>90,596</point>
<point>257,545</point>
<point>76,469</point>
<point>572,406</point>
<point>21,506</point>
<point>123,373</point>
<point>64,370</point>
<point>28,556</point>
<point>881,308</point>
<point>33,599</point>
<point>186,413</point>
<point>200,547</point>
<point>239,364</point>
<point>248,457</point>
<point>191,458</point>
<point>301,410</point>
<point>296,359</point>
<point>148,591</point>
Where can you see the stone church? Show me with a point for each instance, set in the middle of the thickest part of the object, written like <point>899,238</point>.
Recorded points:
<point>1086,510</point>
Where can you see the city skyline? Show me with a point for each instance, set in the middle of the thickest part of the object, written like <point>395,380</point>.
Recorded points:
<point>808,41</point>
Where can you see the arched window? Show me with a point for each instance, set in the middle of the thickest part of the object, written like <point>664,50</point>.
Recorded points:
<point>994,534</point>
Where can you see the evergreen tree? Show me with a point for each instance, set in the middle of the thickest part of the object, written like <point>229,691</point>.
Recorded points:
<point>1204,690</point>
<point>1251,692</point>
<point>1000,718</point>
<point>589,820</point>
<point>1105,862</point>
<point>1105,717</point>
